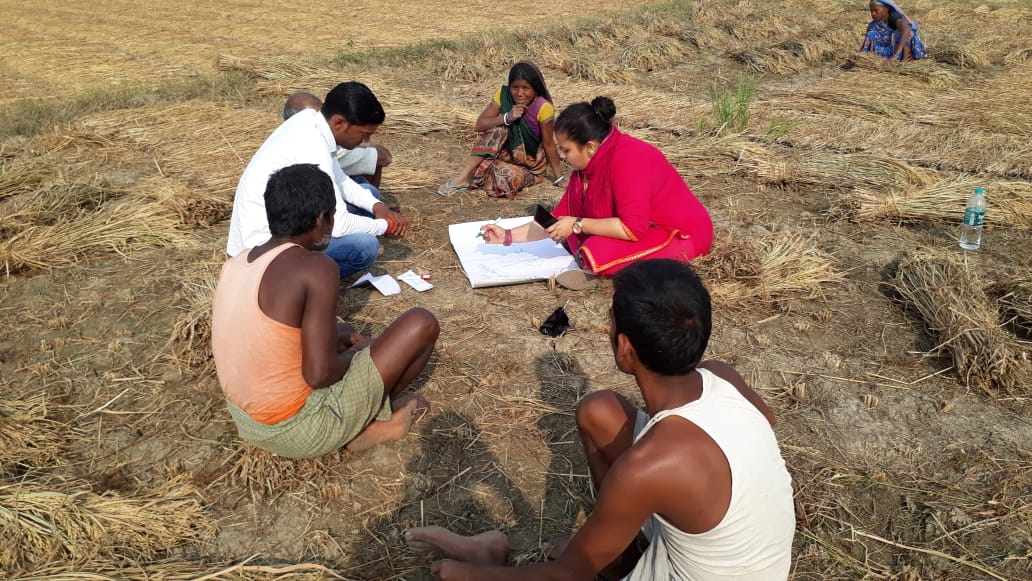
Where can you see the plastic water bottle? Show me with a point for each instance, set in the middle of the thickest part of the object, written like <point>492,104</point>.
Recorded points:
<point>974,218</point>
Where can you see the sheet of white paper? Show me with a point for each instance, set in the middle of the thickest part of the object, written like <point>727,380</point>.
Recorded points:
<point>495,265</point>
<point>415,281</point>
<point>385,283</point>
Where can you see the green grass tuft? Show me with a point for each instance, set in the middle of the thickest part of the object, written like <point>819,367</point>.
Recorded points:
<point>731,104</point>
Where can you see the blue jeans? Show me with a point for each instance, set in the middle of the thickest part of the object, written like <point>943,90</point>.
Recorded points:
<point>353,209</point>
<point>355,252</point>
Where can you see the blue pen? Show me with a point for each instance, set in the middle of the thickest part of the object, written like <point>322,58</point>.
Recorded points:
<point>481,233</point>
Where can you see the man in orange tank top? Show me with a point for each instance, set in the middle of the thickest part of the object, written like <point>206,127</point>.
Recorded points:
<point>297,383</point>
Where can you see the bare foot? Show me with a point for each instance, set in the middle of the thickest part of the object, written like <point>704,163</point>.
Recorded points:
<point>490,548</point>
<point>405,410</point>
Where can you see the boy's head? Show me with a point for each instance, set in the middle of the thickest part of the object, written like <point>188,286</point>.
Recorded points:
<point>663,309</point>
<point>295,197</point>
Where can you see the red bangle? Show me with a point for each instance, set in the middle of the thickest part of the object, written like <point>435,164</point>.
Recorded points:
<point>508,238</point>
<point>390,225</point>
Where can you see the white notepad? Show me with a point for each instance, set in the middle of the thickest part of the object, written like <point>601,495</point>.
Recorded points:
<point>495,265</point>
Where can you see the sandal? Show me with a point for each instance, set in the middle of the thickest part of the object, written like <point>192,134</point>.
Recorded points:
<point>448,190</point>
<point>577,279</point>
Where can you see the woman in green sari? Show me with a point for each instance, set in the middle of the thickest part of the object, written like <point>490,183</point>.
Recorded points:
<point>515,142</point>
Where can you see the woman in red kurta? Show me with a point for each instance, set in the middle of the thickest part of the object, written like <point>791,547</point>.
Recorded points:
<point>624,202</point>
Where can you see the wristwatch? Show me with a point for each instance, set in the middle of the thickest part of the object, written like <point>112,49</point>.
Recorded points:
<point>577,226</point>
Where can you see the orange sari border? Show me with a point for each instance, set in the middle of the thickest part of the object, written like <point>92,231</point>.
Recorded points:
<point>633,257</point>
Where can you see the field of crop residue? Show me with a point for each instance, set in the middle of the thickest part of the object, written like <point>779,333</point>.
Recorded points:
<point>898,364</point>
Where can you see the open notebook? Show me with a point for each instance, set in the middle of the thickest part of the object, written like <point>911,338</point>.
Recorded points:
<point>495,265</point>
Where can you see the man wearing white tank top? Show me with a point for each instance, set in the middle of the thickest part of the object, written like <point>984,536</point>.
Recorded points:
<point>699,472</point>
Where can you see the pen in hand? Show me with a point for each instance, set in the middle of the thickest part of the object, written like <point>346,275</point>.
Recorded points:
<point>481,233</point>
<point>559,180</point>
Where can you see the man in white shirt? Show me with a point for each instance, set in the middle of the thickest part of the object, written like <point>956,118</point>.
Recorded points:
<point>364,164</point>
<point>349,116</point>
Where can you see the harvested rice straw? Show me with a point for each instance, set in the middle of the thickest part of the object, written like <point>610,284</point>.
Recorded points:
<point>40,525</point>
<point>1018,56</point>
<point>768,268</point>
<point>199,142</point>
<point>112,227</point>
<point>1016,302</point>
<point>406,178</point>
<point>960,54</point>
<point>849,171</point>
<point>1009,203</point>
<point>825,47</point>
<point>270,68</point>
<point>588,68</point>
<point>421,120</point>
<point>41,205</point>
<point>269,475</point>
<point>28,437</point>
<point>178,570</point>
<point>189,343</point>
<point>195,206</point>
<point>925,70</point>
<point>23,178</point>
<point>964,321</point>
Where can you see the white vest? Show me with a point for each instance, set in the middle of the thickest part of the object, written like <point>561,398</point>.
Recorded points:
<point>753,542</point>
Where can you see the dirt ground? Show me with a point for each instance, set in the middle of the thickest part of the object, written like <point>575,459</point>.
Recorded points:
<point>901,469</point>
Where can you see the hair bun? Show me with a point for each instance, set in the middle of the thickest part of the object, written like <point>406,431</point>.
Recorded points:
<point>604,108</point>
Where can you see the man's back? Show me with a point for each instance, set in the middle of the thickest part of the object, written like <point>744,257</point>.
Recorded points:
<point>258,354</point>
<point>304,138</point>
<point>724,506</point>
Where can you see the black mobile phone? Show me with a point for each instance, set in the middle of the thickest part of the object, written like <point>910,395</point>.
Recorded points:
<point>543,217</point>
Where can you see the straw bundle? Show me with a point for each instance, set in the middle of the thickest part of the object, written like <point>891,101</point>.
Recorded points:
<point>673,111</point>
<point>113,227</point>
<point>269,68</point>
<point>189,343</point>
<point>589,68</point>
<point>23,178</point>
<point>772,267</point>
<point>714,154</point>
<point>407,178</point>
<point>1018,56</point>
<point>194,206</point>
<point>49,201</point>
<point>420,119</point>
<point>769,61</point>
<point>1010,203</point>
<point>40,525</point>
<point>1016,302</point>
<point>28,436</point>
<point>795,55</point>
<point>849,171</point>
<point>266,474</point>
<point>651,53</point>
<point>956,311</point>
<point>925,70</point>
<point>960,54</point>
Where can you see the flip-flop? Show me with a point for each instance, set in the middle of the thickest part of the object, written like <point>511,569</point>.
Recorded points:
<point>448,190</point>
<point>576,279</point>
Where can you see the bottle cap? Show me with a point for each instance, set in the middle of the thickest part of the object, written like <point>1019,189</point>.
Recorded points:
<point>978,191</point>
